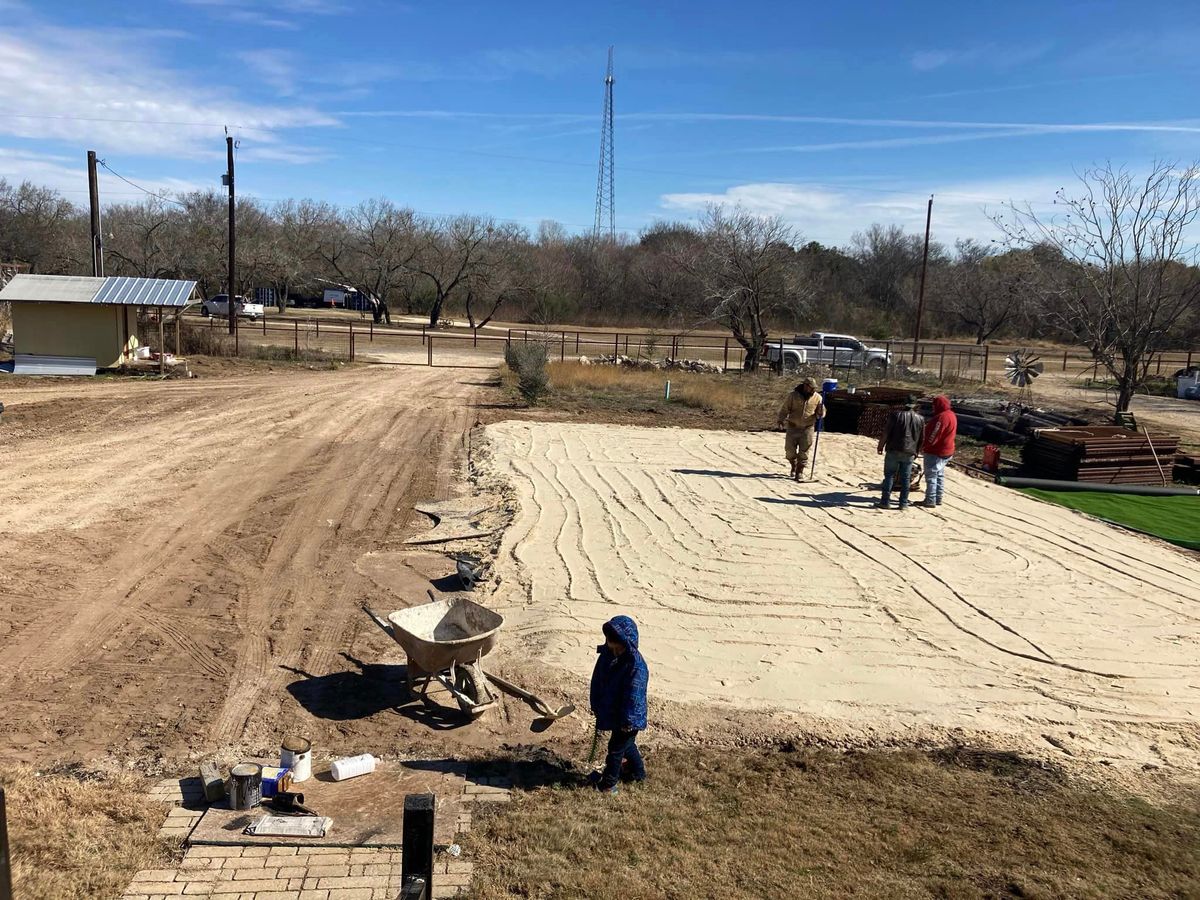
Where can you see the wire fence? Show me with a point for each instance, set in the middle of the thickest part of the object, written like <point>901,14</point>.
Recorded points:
<point>348,340</point>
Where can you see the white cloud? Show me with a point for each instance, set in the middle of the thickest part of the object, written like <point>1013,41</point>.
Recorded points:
<point>992,56</point>
<point>104,90</point>
<point>832,213</point>
<point>269,13</point>
<point>68,176</point>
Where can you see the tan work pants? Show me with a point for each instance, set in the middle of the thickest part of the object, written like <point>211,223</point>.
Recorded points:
<point>796,445</point>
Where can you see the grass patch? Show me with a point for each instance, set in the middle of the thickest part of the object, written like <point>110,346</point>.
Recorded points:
<point>821,824</point>
<point>79,834</point>
<point>1174,519</point>
<point>613,393</point>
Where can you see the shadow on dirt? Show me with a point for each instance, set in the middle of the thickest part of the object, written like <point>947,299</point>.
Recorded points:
<point>373,689</point>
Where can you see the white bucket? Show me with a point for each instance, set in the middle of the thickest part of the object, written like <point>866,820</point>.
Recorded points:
<point>352,766</point>
<point>296,754</point>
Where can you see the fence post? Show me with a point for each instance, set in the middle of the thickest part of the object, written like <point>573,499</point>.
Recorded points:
<point>416,848</point>
<point>1158,365</point>
<point>422,335</point>
<point>318,327</point>
<point>5,860</point>
<point>725,365</point>
<point>616,344</point>
<point>474,337</point>
<point>887,360</point>
<point>351,342</point>
<point>986,353</point>
<point>576,343</point>
<point>371,336</point>
<point>179,333</point>
<point>562,348</point>
<point>264,325</point>
<point>942,364</point>
<point>429,349</point>
<point>1064,360</point>
<point>296,340</point>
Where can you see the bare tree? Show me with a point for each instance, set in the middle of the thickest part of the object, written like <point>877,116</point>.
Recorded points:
<point>746,264</point>
<point>981,291</point>
<point>449,252</point>
<point>888,260</point>
<point>1127,274</point>
<point>142,239</point>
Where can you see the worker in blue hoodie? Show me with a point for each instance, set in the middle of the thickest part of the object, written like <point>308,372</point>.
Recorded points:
<point>619,700</point>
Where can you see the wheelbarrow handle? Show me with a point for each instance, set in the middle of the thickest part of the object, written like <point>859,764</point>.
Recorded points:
<point>382,623</point>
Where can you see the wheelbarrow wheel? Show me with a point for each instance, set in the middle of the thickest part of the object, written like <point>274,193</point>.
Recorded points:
<point>468,683</point>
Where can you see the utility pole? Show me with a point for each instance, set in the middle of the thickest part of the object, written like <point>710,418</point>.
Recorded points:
<point>94,201</point>
<point>921,289</point>
<point>232,281</point>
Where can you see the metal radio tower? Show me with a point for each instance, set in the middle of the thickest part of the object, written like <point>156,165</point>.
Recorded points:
<point>605,193</point>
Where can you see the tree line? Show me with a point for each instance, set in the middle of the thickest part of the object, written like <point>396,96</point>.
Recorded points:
<point>1114,271</point>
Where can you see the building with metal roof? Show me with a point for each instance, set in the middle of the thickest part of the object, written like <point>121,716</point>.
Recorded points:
<point>68,324</point>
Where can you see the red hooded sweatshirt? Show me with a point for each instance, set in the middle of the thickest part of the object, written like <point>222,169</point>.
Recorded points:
<point>940,429</point>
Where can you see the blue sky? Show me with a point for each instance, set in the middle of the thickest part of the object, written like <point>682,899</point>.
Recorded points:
<point>834,115</point>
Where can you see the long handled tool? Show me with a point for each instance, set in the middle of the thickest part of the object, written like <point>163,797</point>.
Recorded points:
<point>539,705</point>
<point>816,445</point>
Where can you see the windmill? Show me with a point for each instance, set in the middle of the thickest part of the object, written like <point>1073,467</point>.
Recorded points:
<point>1021,367</point>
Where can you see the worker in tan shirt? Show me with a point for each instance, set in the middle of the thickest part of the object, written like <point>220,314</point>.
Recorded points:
<point>798,416</point>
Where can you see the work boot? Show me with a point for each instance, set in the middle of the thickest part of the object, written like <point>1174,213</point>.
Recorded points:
<point>882,504</point>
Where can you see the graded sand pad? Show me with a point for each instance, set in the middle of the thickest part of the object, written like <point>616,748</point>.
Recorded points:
<point>994,614</point>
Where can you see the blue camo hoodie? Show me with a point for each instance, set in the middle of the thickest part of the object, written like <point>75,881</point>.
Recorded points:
<point>619,682</point>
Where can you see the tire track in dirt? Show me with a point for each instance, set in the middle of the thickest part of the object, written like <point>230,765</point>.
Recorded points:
<point>221,564</point>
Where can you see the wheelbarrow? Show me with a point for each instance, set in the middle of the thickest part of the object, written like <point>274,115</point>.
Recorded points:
<point>445,641</point>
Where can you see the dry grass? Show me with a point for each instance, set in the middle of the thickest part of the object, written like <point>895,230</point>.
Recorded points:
<point>612,393</point>
<point>77,834</point>
<point>823,824</point>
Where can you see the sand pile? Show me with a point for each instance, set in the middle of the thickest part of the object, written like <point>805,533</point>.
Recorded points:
<point>996,613</point>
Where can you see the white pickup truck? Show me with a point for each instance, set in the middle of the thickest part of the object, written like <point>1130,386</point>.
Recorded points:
<point>219,306</point>
<point>822,349</point>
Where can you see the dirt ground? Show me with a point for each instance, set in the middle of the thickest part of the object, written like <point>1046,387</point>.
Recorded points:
<point>1164,414</point>
<point>996,618</point>
<point>182,563</point>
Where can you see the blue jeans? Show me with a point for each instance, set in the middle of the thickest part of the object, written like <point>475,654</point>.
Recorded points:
<point>896,465</point>
<point>621,746</point>
<point>935,477</point>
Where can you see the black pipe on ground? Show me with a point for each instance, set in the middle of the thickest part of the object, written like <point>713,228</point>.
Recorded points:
<point>1145,490</point>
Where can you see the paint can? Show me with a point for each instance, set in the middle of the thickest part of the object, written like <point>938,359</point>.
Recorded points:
<point>295,753</point>
<point>245,786</point>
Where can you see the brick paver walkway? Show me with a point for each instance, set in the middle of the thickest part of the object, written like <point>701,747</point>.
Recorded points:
<point>293,873</point>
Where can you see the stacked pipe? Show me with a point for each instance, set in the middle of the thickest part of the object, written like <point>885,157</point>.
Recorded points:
<point>1102,454</point>
<point>1187,469</point>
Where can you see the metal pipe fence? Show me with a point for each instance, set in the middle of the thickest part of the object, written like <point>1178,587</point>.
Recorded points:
<point>422,345</point>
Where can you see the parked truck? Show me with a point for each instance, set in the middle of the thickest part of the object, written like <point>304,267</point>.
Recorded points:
<point>824,349</point>
<point>219,306</point>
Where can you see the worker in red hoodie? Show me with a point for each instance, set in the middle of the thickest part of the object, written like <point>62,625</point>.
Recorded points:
<point>938,447</point>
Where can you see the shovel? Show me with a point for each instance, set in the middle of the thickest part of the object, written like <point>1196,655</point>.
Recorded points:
<point>539,705</point>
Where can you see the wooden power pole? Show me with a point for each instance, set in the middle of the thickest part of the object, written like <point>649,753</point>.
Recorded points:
<point>921,289</point>
<point>232,280</point>
<point>94,202</point>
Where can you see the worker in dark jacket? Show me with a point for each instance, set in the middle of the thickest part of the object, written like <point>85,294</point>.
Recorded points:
<point>900,443</point>
<point>937,447</point>
<point>619,700</point>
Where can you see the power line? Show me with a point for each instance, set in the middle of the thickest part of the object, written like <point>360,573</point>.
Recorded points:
<point>108,169</point>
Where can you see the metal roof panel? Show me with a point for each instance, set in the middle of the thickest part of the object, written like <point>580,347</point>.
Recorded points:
<point>51,289</point>
<point>113,291</point>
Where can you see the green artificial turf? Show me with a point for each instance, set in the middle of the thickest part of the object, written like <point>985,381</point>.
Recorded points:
<point>1174,519</point>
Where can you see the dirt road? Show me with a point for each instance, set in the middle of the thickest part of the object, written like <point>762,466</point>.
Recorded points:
<point>178,560</point>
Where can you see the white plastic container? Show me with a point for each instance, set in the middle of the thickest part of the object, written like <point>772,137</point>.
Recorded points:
<point>352,767</point>
<point>296,754</point>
